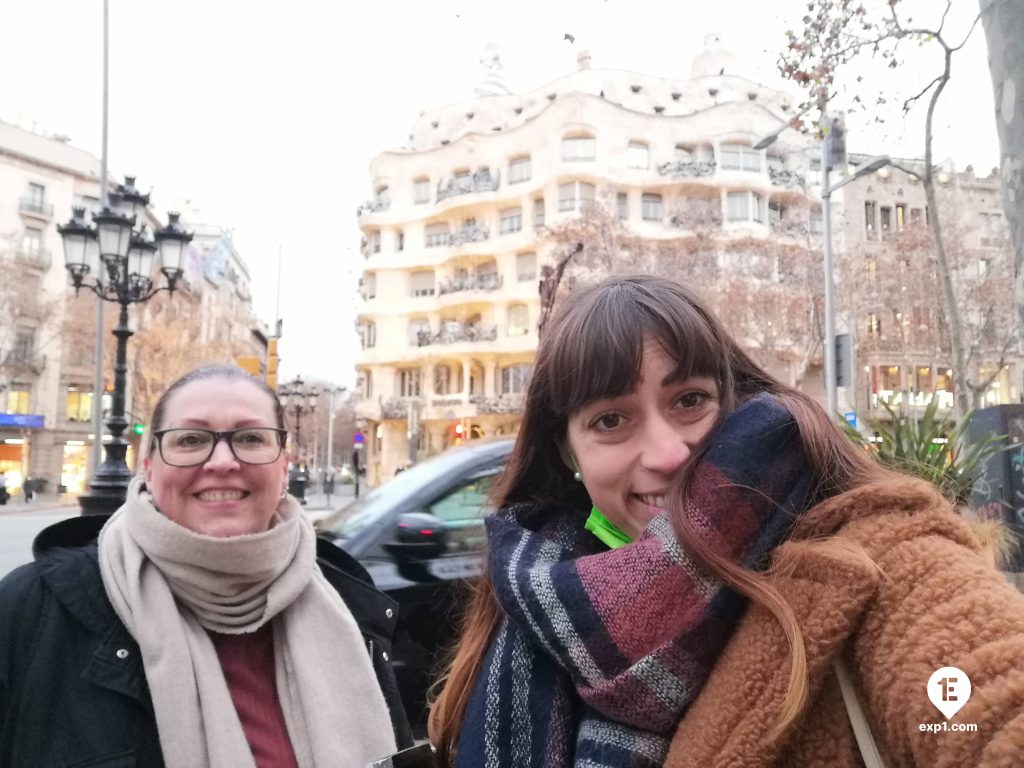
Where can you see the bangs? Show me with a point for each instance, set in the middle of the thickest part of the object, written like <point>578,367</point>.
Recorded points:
<point>596,346</point>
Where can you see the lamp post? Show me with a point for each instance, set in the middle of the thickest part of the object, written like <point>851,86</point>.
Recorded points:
<point>829,157</point>
<point>299,398</point>
<point>115,260</point>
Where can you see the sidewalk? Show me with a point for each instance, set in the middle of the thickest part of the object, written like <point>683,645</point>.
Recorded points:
<point>317,507</point>
<point>41,502</point>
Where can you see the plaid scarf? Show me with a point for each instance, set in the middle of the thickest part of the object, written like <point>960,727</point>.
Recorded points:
<point>602,650</point>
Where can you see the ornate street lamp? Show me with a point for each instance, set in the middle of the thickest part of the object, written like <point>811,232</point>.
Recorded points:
<point>115,260</point>
<point>299,398</point>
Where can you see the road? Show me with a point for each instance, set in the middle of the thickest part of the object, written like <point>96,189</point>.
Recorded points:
<point>18,529</point>
<point>20,522</point>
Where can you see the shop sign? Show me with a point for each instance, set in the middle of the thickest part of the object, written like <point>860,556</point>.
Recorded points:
<point>22,420</point>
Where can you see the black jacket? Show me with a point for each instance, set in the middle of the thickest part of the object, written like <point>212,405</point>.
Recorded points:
<point>73,692</point>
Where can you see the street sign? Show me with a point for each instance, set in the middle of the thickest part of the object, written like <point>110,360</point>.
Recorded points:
<point>851,418</point>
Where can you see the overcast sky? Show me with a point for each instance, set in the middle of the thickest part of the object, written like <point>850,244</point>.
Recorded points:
<point>266,116</point>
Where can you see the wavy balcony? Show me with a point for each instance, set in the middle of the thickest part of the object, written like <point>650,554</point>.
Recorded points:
<point>481,181</point>
<point>455,333</point>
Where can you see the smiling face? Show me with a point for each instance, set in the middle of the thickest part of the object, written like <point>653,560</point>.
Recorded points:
<point>630,448</point>
<point>221,497</point>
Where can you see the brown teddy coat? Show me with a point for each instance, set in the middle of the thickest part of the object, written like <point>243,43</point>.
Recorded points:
<point>922,598</point>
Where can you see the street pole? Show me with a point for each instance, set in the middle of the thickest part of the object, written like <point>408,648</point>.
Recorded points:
<point>96,454</point>
<point>329,463</point>
<point>830,316</point>
<point>108,487</point>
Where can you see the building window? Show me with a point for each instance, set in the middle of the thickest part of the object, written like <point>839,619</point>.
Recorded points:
<point>638,155</point>
<point>622,205</point>
<point>681,154</point>
<point>370,285</point>
<point>743,206</point>
<point>991,227</point>
<point>442,380</point>
<point>510,220</point>
<point>422,283</point>
<point>776,212</point>
<point>410,382</point>
<point>737,157</point>
<point>817,223</point>
<point>519,169</point>
<point>32,241</point>
<point>369,334</point>
<point>77,405</point>
<point>901,216</point>
<point>526,267</point>
<point>870,214</point>
<point>36,196</point>
<point>17,399</point>
<point>399,241</point>
<point>538,211</point>
<point>420,191</point>
<point>375,241</point>
<point>419,332</point>
<point>983,267</point>
<point>24,346</point>
<point>579,148</point>
<point>573,194</point>
<point>920,318</point>
<point>650,207</point>
<point>775,163</point>
<point>915,217</point>
<point>886,219</point>
<point>518,320</point>
<point>514,379</point>
<point>437,234</point>
<point>874,325</point>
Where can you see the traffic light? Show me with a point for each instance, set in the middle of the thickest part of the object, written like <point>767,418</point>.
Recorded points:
<point>139,428</point>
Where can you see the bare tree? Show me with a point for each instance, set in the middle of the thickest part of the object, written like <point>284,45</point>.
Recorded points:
<point>891,290</point>
<point>835,34</point>
<point>25,313</point>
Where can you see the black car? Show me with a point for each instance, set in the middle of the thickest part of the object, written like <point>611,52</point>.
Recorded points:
<point>421,537</point>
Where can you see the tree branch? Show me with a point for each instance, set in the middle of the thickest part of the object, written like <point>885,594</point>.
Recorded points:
<point>969,33</point>
<point>908,171</point>
<point>910,102</point>
<point>942,23</point>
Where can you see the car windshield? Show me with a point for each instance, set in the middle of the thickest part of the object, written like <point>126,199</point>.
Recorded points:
<point>384,498</point>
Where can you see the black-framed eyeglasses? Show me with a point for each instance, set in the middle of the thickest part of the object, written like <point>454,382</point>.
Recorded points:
<point>191,446</point>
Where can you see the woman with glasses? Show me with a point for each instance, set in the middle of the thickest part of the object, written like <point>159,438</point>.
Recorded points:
<point>205,626</point>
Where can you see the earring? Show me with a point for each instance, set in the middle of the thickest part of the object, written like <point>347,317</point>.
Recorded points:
<point>577,476</point>
<point>284,492</point>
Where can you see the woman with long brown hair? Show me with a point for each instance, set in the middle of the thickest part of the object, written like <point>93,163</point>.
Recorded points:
<point>685,554</point>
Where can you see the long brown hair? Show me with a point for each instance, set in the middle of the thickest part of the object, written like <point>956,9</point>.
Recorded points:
<point>593,350</point>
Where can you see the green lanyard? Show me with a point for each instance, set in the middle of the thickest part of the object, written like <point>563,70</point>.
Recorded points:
<point>605,530</point>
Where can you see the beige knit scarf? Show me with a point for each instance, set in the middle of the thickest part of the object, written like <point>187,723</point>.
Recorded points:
<point>170,585</point>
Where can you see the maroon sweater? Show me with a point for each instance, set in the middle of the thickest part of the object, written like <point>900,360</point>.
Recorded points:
<point>248,665</point>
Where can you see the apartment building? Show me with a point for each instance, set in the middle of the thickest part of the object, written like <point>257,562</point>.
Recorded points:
<point>891,299</point>
<point>46,332</point>
<point>459,227</point>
